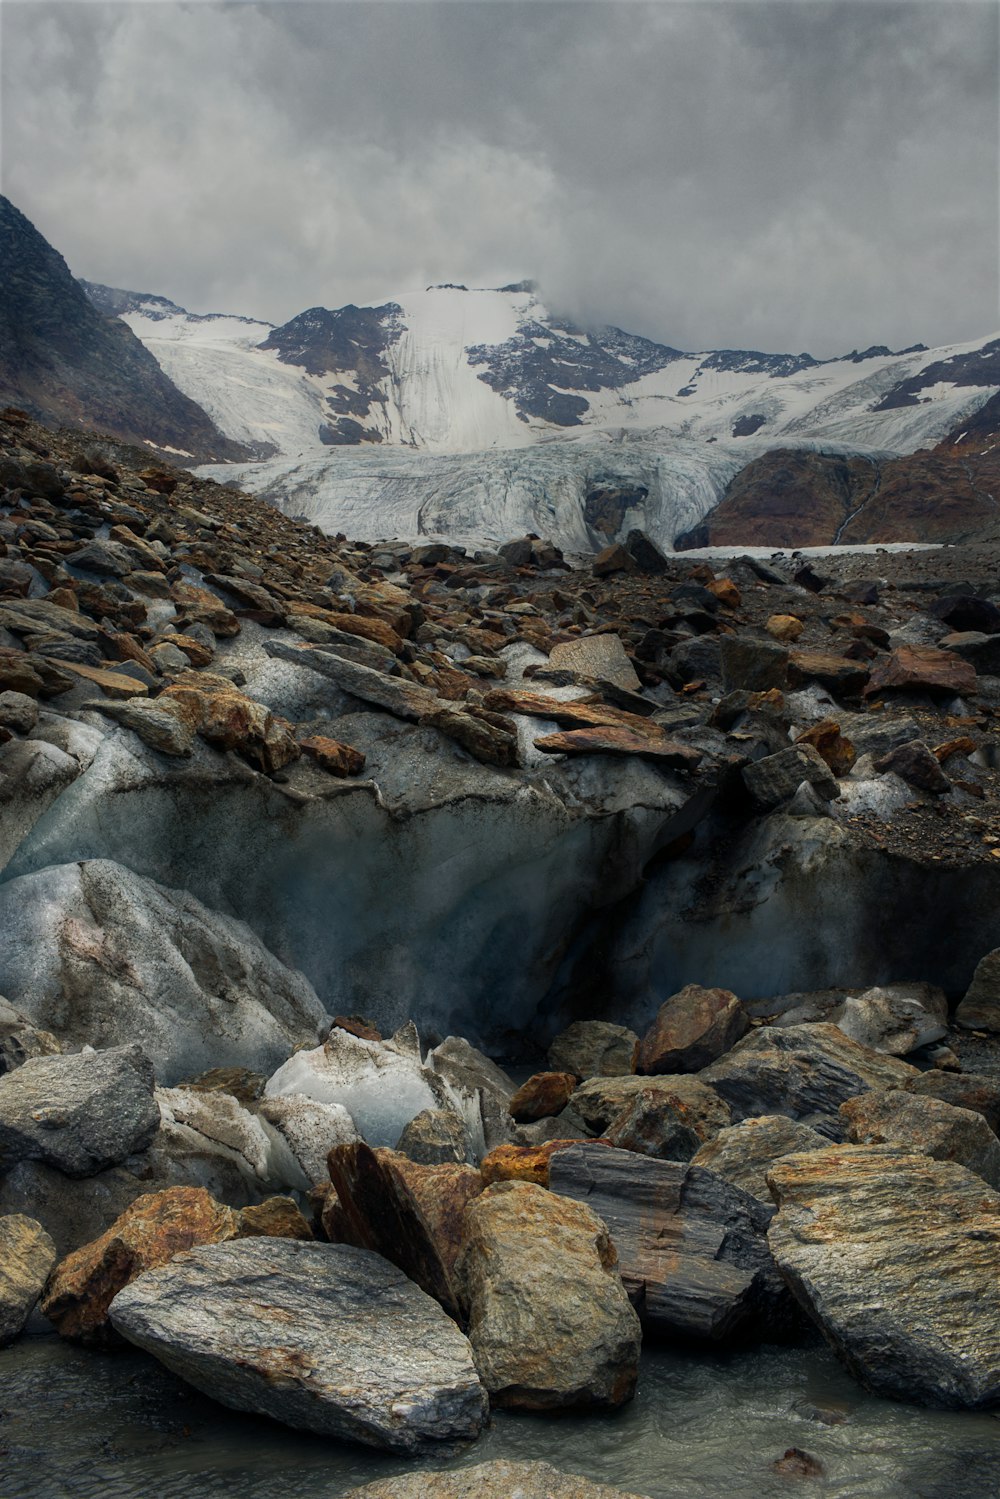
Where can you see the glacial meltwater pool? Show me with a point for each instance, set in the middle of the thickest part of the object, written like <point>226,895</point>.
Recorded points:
<point>79,1425</point>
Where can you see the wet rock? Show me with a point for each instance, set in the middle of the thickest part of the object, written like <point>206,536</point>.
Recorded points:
<point>795,1463</point>
<point>928,1125</point>
<point>79,1113</point>
<point>549,1321</point>
<point>691,1029</point>
<point>894,1256</point>
<point>896,1018</point>
<point>27,1254</point>
<point>543,1095</point>
<point>594,1048</point>
<point>803,1071</point>
<point>692,1248</point>
<point>921,668</point>
<point>371,1357</point>
<point>101,956</point>
<point>411,1214</point>
<point>437,1137</point>
<point>980,1009</point>
<point>777,777</point>
<point>744,1153</point>
<point>917,766</point>
<point>495,1480</point>
<point>600,656</point>
<point>150,1232</point>
<point>964,1090</point>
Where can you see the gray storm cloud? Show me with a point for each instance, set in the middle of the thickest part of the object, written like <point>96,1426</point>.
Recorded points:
<point>775,175</point>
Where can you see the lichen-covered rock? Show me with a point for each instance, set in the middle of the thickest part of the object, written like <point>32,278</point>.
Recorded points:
<point>965,1090</point>
<point>691,1030</point>
<point>594,1048</point>
<point>549,1321</point>
<point>744,1153</point>
<point>79,1113</point>
<point>803,1071</point>
<point>27,1254</point>
<point>894,1255</point>
<point>928,1125</point>
<point>324,1337</point>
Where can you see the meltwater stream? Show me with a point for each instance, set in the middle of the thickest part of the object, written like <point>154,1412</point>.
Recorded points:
<point>81,1425</point>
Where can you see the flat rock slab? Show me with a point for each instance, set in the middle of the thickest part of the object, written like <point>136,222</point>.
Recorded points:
<point>652,742</point>
<point>601,656</point>
<point>323,1337</point>
<point>79,1113</point>
<point>404,699</point>
<point>894,1255</point>
<point>497,1480</point>
<point>921,668</point>
<point>691,1248</point>
<point>927,1125</point>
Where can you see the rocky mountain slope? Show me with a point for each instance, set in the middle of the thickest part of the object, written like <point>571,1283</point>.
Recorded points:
<point>65,361</point>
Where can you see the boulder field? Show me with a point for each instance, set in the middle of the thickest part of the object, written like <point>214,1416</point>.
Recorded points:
<point>301,840</point>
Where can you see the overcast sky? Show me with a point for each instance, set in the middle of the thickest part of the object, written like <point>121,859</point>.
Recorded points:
<point>785,175</point>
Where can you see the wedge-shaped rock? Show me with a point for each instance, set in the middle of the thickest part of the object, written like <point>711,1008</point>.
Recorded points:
<point>691,1248</point>
<point>803,1071</point>
<point>101,956</point>
<point>549,1320</point>
<point>79,1113</point>
<point>921,668</point>
<point>965,1090</point>
<point>323,1337</point>
<point>575,714</point>
<point>614,739</point>
<point>980,1009</point>
<point>496,1480</point>
<point>411,1214</point>
<point>894,1255</point>
<point>927,1125</point>
<point>404,699</point>
<point>599,656</point>
<point>27,1254</point>
<point>745,1152</point>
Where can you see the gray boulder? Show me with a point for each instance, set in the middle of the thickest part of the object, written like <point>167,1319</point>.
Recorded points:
<point>894,1255</point>
<point>776,778</point>
<point>896,1018</point>
<point>593,1048</point>
<point>27,1254</point>
<point>79,1113</point>
<point>745,1152</point>
<point>928,1125</point>
<point>436,1137</point>
<point>980,1009</point>
<point>803,1071</point>
<point>101,956</point>
<point>323,1337</point>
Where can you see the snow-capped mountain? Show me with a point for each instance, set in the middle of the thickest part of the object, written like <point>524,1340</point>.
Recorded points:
<point>428,414</point>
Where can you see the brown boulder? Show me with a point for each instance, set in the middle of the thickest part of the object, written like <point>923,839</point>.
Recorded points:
<point>826,738</point>
<point>651,741</point>
<point>526,1163</point>
<point>837,674</point>
<point>692,1029</point>
<point>274,1218</point>
<point>921,668</point>
<point>784,627</point>
<point>332,756</point>
<point>668,1127</point>
<point>543,1095</point>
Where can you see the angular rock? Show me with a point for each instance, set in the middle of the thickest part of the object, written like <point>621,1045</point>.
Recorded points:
<point>645,553</point>
<point>437,1137</point>
<point>18,711</point>
<point>692,1249</point>
<point>549,1321</point>
<point>803,1071</point>
<point>543,1095</point>
<point>980,1009</point>
<point>521,1163</point>
<point>651,741</point>
<point>600,656</point>
<point>490,743</point>
<point>927,1125</point>
<point>100,955</point>
<point>612,559</point>
<point>784,627</point>
<point>896,1018</point>
<point>921,668</point>
<point>600,1102</point>
<point>27,1254</point>
<point>332,756</point>
<point>150,1232</point>
<point>894,1256</point>
<point>19,1039</point>
<point>838,674</point>
<point>777,777</point>
<point>311,1129</point>
<point>594,1048</point>
<point>402,698</point>
<point>744,1153</point>
<point>755,665</point>
<point>667,1125</point>
<point>113,683</point>
<point>917,766</point>
<point>965,1090</point>
<point>79,1113</point>
<point>692,1029</point>
<point>494,1480</point>
<point>412,1215</point>
<point>162,724</point>
<point>483,1085</point>
<point>324,1337</point>
<point>825,737</point>
<point>274,1218</point>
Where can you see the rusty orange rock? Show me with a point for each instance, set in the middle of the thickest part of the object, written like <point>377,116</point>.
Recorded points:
<point>332,756</point>
<point>543,1095</point>
<point>523,1163</point>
